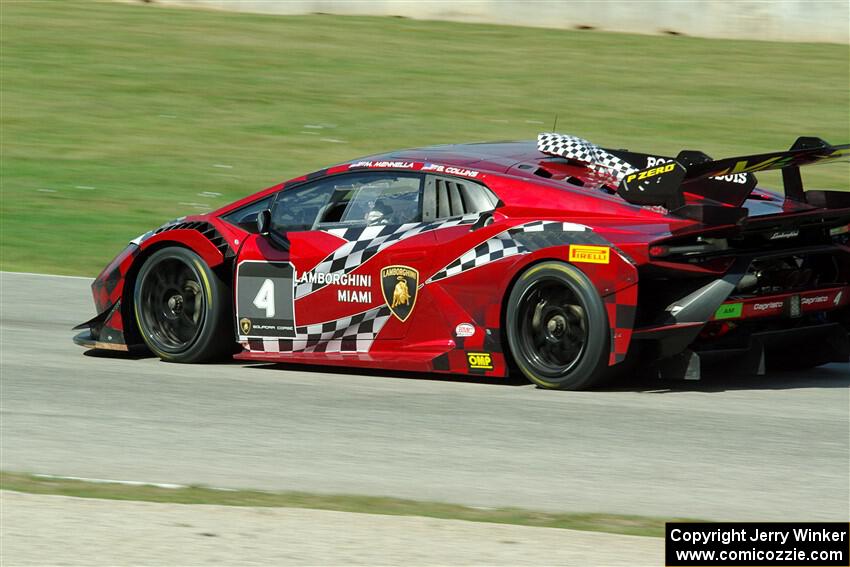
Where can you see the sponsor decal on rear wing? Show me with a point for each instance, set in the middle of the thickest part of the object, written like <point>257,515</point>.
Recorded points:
<point>729,181</point>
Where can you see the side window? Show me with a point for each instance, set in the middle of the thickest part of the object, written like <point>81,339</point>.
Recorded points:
<point>449,197</point>
<point>385,200</point>
<point>352,200</point>
<point>297,208</point>
<point>246,217</point>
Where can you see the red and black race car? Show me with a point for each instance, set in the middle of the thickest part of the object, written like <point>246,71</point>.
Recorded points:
<point>560,259</point>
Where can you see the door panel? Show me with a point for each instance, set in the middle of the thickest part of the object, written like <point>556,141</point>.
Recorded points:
<point>265,301</point>
<point>356,258</point>
<point>336,280</point>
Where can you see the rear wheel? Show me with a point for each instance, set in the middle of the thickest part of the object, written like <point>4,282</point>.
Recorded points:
<point>182,307</point>
<point>557,328</point>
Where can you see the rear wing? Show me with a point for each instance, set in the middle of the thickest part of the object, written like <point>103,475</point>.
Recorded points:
<point>682,184</point>
<point>730,181</point>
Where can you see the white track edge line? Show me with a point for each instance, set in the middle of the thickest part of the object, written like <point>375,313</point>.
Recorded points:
<point>4,272</point>
<point>128,482</point>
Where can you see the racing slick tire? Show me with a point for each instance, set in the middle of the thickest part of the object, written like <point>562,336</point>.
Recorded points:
<point>557,327</point>
<point>182,307</point>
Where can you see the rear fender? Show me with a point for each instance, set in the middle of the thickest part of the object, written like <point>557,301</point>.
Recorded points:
<point>611,272</point>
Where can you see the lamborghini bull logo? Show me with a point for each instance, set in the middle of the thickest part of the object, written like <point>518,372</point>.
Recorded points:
<point>399,285</point>
<point>401,293</point>
<point>245,325</point>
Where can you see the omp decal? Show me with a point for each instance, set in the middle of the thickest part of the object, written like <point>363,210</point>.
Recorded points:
<point>729,311</point>
<point>520,239</point>
<point>579,149</point>
<point>590,254</point>
<point>361,244</point>
<point>479,360</point>
<point>646,173</point>
<point>399,285</point>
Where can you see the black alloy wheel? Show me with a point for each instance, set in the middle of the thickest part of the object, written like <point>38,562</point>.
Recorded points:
<point>180,307</point>
<point>557,327</point>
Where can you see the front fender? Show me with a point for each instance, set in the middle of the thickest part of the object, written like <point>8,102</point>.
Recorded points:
<point>189,238</point>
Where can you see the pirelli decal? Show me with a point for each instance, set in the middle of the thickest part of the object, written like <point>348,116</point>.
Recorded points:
<point>590,254</point>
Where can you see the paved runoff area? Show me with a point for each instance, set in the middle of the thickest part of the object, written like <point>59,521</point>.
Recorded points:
<point>725,448</point>
<point>41,530</point>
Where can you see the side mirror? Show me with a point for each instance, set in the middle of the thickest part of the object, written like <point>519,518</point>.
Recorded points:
<point>264,222</point>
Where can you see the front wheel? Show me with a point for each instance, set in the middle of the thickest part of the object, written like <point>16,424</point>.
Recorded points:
<point>557,328</point>
<point>182,307</point>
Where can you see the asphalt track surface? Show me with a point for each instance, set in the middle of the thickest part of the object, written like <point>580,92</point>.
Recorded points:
<point>737,448</point>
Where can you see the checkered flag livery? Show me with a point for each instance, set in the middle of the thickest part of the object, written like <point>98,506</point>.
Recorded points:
<point>363,243</point>
<point>579,149</point>
<point>349,334</point>
<point>503,245</point>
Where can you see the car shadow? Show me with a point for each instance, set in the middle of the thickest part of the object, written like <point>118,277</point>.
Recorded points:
<point>134,354</point>
<point>716,379</point>
<point>383,373</point>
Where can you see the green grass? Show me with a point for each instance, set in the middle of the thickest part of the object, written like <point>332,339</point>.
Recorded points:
<point>141,102</point>
<point>612,523</point>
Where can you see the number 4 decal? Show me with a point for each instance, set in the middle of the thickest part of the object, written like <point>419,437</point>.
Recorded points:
<point>265,298</point>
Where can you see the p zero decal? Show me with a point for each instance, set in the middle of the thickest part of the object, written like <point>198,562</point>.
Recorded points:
<point>590,254</point>
<point>646,173</point>
<point>265,299</point>
<point>400,285</point>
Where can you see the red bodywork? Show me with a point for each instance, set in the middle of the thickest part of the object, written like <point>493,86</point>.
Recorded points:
<point>456,323</point>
